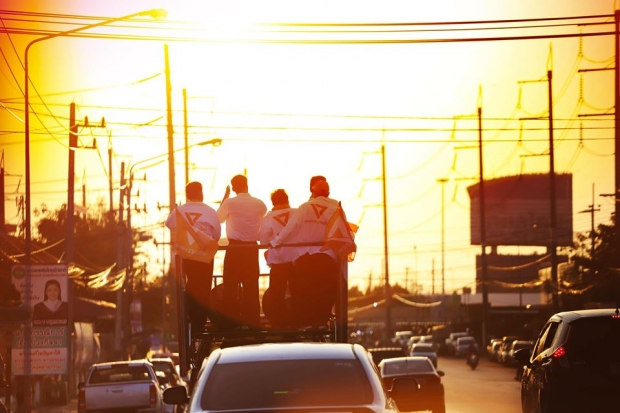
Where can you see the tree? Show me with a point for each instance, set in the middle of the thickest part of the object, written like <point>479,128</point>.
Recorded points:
<point>598,269</point>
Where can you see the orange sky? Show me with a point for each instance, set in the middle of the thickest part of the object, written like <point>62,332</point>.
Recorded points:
<point>286,112</point>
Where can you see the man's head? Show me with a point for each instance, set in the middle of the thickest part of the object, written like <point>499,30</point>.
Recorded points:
<point>193,191</point>
<point>239,183</point>
<point>320,188</point>
<point>279,197</point>
<point>316,179</point>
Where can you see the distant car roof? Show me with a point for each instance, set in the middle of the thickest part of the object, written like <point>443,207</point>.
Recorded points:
<point>423,346</point>
<point>381,353</point>
<point>406,365</point>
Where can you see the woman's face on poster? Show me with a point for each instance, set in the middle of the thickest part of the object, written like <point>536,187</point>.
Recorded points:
<point>52,292</point>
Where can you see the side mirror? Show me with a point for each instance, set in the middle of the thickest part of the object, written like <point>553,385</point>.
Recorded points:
<point>176,395</point>
<point>162,379</point>
<point>523,355</point>
<point>81,385</point>
<point>441,373</point>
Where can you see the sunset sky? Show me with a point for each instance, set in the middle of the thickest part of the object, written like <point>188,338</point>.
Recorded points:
<point>299,88</point>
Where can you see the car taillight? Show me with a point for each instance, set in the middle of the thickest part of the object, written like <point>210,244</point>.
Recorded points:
<point>560,352</point>
<point>152,395</point>
<point>82,400</point>
<point>560,356</point>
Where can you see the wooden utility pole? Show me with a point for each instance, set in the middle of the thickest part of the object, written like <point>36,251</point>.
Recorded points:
<point>483,231</point>
<point>388,288</point>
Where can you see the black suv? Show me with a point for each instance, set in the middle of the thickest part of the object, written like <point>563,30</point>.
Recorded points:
<point>574,365</point>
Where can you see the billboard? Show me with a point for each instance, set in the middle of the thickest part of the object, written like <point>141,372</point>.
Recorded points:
<point>518,210</point>
<point>42,346</point>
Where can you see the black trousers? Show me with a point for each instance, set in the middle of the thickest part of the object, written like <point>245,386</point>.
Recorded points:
<point>240,301</point>
<point>198,281</point>
<point>314,287</point>
<point>279,276</point>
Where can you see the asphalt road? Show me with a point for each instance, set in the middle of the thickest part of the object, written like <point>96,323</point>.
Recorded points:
<point>490,388</point>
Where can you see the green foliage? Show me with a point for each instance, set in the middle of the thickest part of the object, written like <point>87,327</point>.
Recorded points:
<point>598,270</point>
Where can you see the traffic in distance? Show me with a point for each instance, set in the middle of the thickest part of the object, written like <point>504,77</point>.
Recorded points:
<point>571,367</point>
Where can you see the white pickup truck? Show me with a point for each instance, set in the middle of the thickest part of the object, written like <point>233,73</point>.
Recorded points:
<point>128,386</point>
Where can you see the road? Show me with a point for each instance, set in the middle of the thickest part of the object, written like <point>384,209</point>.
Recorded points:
<point>490,388</point>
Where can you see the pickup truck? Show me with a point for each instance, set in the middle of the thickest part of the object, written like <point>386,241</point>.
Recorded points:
<point>130,386</point>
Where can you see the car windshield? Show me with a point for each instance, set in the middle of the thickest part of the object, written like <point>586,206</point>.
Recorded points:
<point>286,383</point>
<point>120,373</point>
<point>407,367</point>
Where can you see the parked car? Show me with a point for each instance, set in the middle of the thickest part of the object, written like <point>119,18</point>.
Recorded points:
<point>412,340</point>
<point>495,351</point>
<point>490,350</point>
<point>424,350</point>
<point>401,337</point>
<point>504,348</point>
<point>430,395</point>
<point>461,347</point>
<point>574,365</point>
<point>302,377</point>
<point>451,341</point>
<point>380,353</point>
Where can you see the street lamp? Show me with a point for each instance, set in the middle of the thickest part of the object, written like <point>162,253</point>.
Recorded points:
<point>144,164</point>
<point>154,13</point>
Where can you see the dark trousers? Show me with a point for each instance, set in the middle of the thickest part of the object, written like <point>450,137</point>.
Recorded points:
<point>240,301</point>
<point>198,280</point>
<point>313,286</point>
<point>279,276</point>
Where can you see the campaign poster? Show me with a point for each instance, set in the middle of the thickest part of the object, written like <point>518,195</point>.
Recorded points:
<point>42,346</point>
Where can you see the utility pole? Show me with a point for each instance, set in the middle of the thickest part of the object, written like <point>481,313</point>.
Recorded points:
<point>186,136</point>
<point>407,278</point>
<point>120,267</point>
<point>172,178</point>
<point>591,210</point>
<point>443,181</point>
<point>617,126</point>
<point>552,195</point>
<point>483,236</point>
<point>388,289</point>
<point>70,223</point>
<point>110,179</point>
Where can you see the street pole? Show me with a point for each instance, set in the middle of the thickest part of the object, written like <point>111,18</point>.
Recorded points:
<point>617,127</point>
<point>155,13</point>
<point>186,136</point>
<point>388,289</point>
<point>552,195</point>
<point>442,181</point>
<point>120,238</point>
<point>483,242</point>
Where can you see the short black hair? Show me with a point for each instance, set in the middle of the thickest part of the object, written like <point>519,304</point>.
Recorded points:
<point>193,190</point>
<point>316,179</point>
<point>279,197</point>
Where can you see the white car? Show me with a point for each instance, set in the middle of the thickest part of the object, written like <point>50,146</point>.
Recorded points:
<point>424,350</point>
<point>302,377</point>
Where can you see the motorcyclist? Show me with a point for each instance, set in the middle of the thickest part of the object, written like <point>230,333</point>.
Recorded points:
<point>472,351</point>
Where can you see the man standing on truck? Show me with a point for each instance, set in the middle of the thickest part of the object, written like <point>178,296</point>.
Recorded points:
<point>314,282</point>
<point>243,215</point>
<point>280,260</point>
<point>198,275</point>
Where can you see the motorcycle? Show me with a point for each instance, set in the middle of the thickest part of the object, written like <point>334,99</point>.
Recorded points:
<point>472,361</point>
